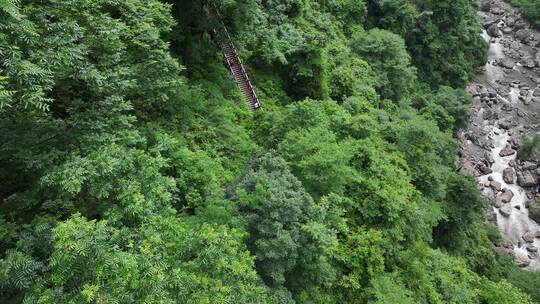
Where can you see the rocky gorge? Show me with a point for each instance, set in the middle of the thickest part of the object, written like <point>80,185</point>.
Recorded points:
<point>505,113</point>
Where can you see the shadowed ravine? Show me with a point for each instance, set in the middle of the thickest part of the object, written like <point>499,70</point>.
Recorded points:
<point>505,111</point>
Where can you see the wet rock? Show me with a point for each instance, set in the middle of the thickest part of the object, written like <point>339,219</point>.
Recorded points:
<point>506,107</point>
<point>537,234</point>
<point>495,10</point>
<point>524,35</point>
<point>505,125</point>
<point>520,24</point>
<point>473,138</point>
<point>506,63</point>
<point>526,179</point>
<point>534,211</point>
<point>532,248</point>
<point>474,90</point>
<point>490,115</point>
<point>528,62</point>
<point>507,30</point>
<point>518,207</point>
<point>467,168</point>
<point>496,186</point>
<point>505,210</point>
<point>522,261</point>
<point>528,237</point>
<point>489,158</point>
<point>498,202</point>
<point>491,216</point>
<point>510,20</point>
<point>528,165</point>
<point>490,178</point>
<point>506,195</point>
<point>507,151</point>
<point>512,143</point>
<point>487,21</point>
<point>484,169</point>
<point>506,243</point>
<point>508,175</point>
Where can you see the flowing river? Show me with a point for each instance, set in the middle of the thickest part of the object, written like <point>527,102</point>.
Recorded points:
<point>506,107</point>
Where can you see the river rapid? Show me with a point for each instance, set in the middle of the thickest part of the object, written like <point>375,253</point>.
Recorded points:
<point>506,111</point>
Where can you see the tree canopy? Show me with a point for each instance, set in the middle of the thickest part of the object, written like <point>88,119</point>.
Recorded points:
<point>132,171</point>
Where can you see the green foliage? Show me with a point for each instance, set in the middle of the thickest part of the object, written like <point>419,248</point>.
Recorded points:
<point>319,159</point>
<point>437,278</point>
<point>441,36</point>
<point>429,153</point>
<point>385,198</point>
<point>167,260</point>
<point>529,146</point>
<point>19,271</point>
<point>198,177</point>
<point>388,56</point>
<point>349,75</point>
<point>526,281</point>
<point>128,172</point>
<point>288,236</point>
<point>530,8</point>
<point>387,290</point>
<point>457,102</point>
<point>128,179</point>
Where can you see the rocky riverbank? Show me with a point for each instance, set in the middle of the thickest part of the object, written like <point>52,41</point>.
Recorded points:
<point>506,111</point>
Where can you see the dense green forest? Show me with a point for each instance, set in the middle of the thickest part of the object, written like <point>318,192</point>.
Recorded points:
<point>530,8</point>
<point>133,172</point>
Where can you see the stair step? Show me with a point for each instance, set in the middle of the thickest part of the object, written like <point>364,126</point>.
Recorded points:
<point>239,74</point>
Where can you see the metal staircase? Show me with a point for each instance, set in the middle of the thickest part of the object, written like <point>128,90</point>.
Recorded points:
<point>232,59</point>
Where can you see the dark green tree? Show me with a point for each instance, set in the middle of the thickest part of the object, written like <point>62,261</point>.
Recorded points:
<point>288,236</point>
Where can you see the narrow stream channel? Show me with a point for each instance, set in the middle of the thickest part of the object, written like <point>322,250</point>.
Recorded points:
<point>506,109</point>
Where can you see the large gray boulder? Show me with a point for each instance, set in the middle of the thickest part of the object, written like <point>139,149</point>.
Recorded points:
<point>534,211</point>
<point>528,237</point>
<point>493,31</point>
<point>522,261</point>
<point>508,175</point>
<point>506,196</point>
<point>495,185</point>
<point>484,169</point>
<point>526,179</point>
<point>528,165</point>
<point>506,63</point>
<point>524,35</point>
<point>528,62</point>
<point>490,115</point>
<point>506,210</point>
<point>507,151</point>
